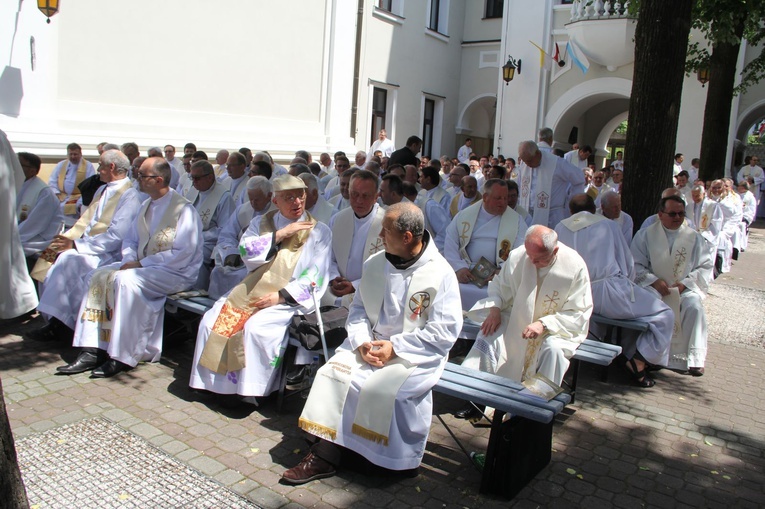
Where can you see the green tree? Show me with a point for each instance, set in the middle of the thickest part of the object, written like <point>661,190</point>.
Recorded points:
<point>661,37</point>
<point>724,23</point>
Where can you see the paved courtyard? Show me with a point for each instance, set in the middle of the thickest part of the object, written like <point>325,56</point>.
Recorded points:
<point>142,439</point>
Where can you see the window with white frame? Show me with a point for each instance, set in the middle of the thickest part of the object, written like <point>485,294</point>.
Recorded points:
<point>382,109</point>
<point>432,125</point>
<point>392,6</point>
<point>379,112</point>
<point>438,16</point>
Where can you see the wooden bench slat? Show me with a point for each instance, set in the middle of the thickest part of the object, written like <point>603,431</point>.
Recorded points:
<point>527,411</point>
<point>632,324</point>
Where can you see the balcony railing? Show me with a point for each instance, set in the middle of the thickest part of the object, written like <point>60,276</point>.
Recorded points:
<point>598,9</point>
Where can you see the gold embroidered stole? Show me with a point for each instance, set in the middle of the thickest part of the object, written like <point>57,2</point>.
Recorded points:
<point>581,220</point>
<point>164,235</point>
<point>224,349</point>
<point>70,207</point>
<point>342,237</point>
<point>543,189</point>
<point>508,230</point>
<point>99,302</point>
<point>28,200</point>
<point>49,255</point>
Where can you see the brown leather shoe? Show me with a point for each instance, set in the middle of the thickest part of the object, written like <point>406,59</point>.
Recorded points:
<point>312,467</point>
<point>696,371</point>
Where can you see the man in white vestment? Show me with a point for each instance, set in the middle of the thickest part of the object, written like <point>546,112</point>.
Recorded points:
<point>513,193</point>
<point>17,291</point>
<point>173,161</point>
<point>754,171</point>
<point>670,191</point>
<point>95,240</point>
<point>236,181</point>
<point>213,202</point>
<point>221,164</point>
<point>332,184</point>
<point>750,211</point>
<point>64,179</point>
<point>342,200</point>
<point>545,139</point>
<point>704,215</point>
<point>452,181</point>
<point>463,154</point>
<point>121,317</point>
<point>677,168</point>
<point>597,187</point>
<point>355,237</point>
<point>315,204</point>
<point>618,163</point>
<point>611,208</point>
<point>229,269</point>
<point>537,312</point>
<point>242,339</point>
<point>546,182</point>
<point>434,203</point>
<point>383,144</point>
<point>732,211</point>
<point>37,208</point>
<point>489,229</point>
<point>391,190</point>
<point>604,249</point>
<point>374,395</point>
<point>673,262</point>
<point>579,157</point>
<point>683,186</point>
<point>468,194</point>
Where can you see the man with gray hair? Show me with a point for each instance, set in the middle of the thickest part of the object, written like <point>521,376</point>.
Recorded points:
<point>537,312</point>
<point>374,395</point>
<point>546,183</point>
<point>545,137</point>
<point>315,204</point>
<point>611,208</point>
<point>221,158</point>
<point>94,240</point>
<point>229,269</point>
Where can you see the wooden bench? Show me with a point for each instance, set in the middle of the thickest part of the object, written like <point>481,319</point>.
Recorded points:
<point>615,327</point>
<point>519,448</point>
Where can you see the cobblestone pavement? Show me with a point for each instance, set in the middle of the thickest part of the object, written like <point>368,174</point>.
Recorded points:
<point>687,442</point>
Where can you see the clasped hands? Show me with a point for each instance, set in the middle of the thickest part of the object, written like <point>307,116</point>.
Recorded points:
<point>377,353</point>
<point>61,243</point>
<point>494,320</point>
<point>663,288</point>
<point>341,286</point>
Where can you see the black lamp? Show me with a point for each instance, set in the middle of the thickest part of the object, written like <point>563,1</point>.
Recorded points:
<point>508,70</point>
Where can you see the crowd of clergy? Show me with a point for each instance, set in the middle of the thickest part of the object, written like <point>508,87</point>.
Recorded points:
<point>412,247</point>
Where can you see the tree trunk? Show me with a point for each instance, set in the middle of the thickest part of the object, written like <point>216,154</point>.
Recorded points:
<point>722,77</point>
<point>661,43</point>
<point>11,486</point>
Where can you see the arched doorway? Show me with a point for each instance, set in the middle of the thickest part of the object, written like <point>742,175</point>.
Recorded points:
<point>476,121</point>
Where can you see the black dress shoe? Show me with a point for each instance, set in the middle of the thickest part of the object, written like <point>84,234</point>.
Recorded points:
<point>470,413</point>
<point>55,330</point>
<point>87,360</point>
<point>294,379</point>
<point>110,368</point>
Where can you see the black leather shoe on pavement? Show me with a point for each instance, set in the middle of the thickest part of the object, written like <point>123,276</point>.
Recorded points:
<point>469,413</point>
<point>312,467</point>
<point>86,361</point>
<point>54,330</point>
<point>294,379</point>
<point>110,368</point>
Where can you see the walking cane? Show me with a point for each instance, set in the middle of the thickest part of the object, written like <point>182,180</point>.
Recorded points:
<point>320,321</point>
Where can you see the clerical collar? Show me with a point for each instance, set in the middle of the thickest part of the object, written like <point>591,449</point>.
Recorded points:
<point>401,264</point>
<point>365,215</point>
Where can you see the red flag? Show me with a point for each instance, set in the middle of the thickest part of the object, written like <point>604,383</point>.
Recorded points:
<point>557,53</point>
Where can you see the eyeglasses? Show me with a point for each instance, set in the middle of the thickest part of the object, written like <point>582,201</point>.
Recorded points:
<point>290,198</point>
<point>197,178</point>
<point>141,177</point>
<point>675,214</point>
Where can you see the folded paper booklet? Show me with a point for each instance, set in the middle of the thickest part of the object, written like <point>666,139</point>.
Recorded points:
<point>539,386</point>
<point>482,272</point>
<point>187,294</point>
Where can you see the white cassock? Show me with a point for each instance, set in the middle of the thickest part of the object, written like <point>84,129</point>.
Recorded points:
<point>39,213</point>
<point>626,225</point>
<point>70,183</point>
<point>265,332</point>
<point>177,163</point>
<point>557,295</point>
<point>545,191</point>
<point>572,157</point>
<point>694,264</point>
<point>732,211</point>
<point>750,211</point>
<point>338,203</point>
<point>601,244</point>
<point>139,294</point>
<point>214,216</point>
<point>757,174</point>
<point>385,146</point>
<point>237,188</point>
<point>223,278</point>
<point>17,291</point>
<point>322,210</point>
<point>65,285</point>
<point>184,184</point>
<point>421,329</point>
<point>483,242</point>
<point>351,248</point>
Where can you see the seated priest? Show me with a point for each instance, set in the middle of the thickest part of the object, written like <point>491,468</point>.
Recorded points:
<point>121,317</point>
<point>242,339</point>
<point>37,209</point>
<point>374,395</point>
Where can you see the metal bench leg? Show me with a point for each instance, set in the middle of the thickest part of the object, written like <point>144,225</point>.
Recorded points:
<point>287,361</point>
<point>574,378</point>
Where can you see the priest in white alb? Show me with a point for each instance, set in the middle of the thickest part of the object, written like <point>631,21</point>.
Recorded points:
<point>229,269</point>
<point>547,182</point>
<point>374,395</point>
<point>95,240</point>
<point>673,262</point>
<point>37,208</point>
<point>604,249</point>
<point>121,317</point>
<point>65,179</point>
<point>611,208</point>
<point>488,229</point>
<point>537,312</point>
<point>242,339</point>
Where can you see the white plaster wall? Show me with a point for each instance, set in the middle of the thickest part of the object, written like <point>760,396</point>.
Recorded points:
<point>273,75</point>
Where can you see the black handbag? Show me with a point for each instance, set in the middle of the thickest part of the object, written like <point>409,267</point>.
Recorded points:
<point>305,328</point>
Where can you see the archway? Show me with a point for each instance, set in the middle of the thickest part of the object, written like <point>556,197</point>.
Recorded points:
<point>476,121</point>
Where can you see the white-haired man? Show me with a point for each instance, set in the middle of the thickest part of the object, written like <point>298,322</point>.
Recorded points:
<point>315,204</point>
<point>611,208</point>
<point>547,182</point>
<point>241,340</point>
<point>374,395</point>
<point>95,240</point>
<point>229,269</point>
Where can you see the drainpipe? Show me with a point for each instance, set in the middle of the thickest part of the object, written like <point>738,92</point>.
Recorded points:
<point>357,69</point>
